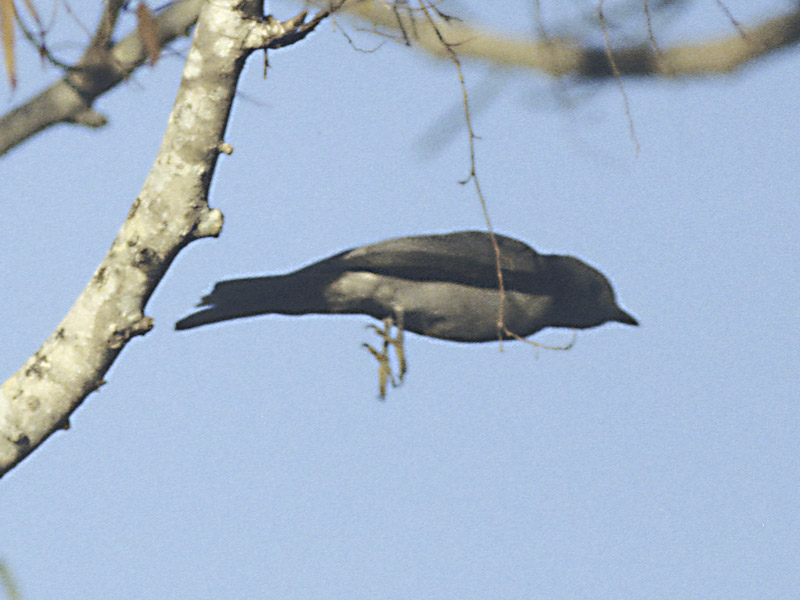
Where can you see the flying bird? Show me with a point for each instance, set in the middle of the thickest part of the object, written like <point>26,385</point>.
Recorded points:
<point>444,286</point>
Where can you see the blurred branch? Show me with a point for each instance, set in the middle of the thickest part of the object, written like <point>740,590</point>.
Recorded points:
<point>170,211</point>
<point>102,67</point>
<point>563,56</point>
<point>105,29</point>
<point>8,583</point>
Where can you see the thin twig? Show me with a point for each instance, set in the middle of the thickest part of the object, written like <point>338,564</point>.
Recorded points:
<point>650,35</point>
<point>732,19</point>
<point>617,76</point>
<point>473,172</point>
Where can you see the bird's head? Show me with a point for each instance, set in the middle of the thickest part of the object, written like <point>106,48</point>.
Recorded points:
<point>585,296</point>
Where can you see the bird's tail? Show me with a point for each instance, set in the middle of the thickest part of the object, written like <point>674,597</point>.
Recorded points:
<point>236,298</point>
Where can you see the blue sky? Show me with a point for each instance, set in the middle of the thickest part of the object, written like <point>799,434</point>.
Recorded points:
<point>253,459</point>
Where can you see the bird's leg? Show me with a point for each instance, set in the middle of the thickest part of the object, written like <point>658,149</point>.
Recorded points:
<point>384,368</point>
<point>397,342</point>
<point>385,373</point>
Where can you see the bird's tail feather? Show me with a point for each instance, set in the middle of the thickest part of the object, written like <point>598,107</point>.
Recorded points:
<point>236,298</point>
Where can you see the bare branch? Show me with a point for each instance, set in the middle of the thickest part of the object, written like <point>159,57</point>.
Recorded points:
<point>298,29</point>
<point>170,212</point>
<point>99,70</point>
<point>272,33</point>
<point>562,57</point>
<point>66,100</point>
<point>618,76</point>
<point>105,29</point>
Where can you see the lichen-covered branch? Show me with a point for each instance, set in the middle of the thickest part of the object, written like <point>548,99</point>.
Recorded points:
<point>170,211</point>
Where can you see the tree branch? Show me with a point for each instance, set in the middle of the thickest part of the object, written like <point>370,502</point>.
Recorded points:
<point>560,57</point>
<point>170,212</point>
<point>70,99</point>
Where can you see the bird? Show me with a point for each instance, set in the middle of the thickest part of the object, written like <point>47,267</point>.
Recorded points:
<point>443,286</point>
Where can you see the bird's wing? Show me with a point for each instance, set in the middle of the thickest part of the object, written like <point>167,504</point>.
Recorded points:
<point>465,257</point>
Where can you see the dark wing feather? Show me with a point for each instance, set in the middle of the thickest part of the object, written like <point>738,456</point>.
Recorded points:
<point>465,257</point>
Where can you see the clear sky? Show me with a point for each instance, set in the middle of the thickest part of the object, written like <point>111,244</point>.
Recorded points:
<point>253,459</point>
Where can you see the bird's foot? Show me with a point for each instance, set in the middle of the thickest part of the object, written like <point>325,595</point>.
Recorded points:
<point>385,373</point>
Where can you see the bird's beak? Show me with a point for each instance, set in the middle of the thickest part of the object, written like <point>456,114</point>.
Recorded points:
<point>623,317</point>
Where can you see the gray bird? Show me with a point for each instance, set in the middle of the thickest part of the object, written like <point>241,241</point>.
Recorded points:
<point>443,286</point>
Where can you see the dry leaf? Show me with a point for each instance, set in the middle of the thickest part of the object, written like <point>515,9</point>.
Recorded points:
<point>7,14</point>
<point>147,26</point>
